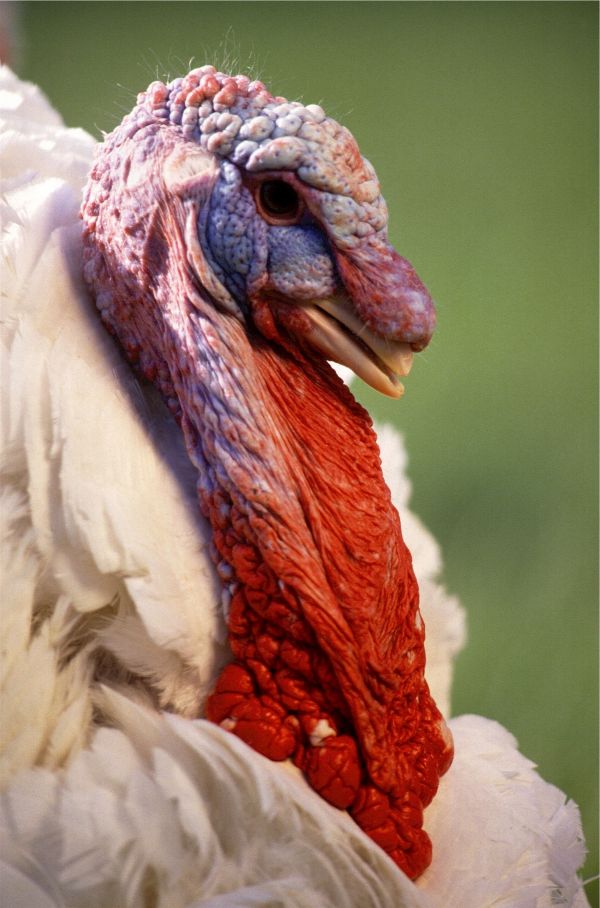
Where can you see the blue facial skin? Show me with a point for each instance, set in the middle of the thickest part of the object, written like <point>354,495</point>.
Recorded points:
<point>236,235</point>
<point>300,265</point>
<point>242,246</point>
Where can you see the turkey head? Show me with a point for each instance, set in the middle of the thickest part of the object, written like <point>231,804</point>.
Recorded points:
<point>235,242</point>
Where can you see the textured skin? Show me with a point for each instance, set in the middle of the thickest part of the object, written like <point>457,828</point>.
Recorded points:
<point>202,292</point>
<point>241,122</point>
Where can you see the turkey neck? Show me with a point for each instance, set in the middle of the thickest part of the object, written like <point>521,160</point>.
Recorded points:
<point>306,536</point>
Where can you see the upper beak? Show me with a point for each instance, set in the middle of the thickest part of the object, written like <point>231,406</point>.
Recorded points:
<point>386,292</point>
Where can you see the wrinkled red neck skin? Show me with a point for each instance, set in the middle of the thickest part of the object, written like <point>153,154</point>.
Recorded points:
<point>323,622</point>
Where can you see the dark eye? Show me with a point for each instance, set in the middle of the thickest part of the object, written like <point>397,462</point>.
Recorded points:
<point>278,202</point>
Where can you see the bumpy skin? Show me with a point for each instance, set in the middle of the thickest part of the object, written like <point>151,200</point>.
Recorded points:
<point>205,295</point>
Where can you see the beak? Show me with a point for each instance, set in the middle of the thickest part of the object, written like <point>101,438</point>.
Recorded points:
<point>337,332</point>
<point>372,325</point>
<point>386,292</point>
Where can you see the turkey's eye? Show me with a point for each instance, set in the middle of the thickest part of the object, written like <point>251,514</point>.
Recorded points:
<point>278,202</point>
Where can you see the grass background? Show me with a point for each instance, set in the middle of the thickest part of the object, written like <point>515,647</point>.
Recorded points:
<point>481,120</point>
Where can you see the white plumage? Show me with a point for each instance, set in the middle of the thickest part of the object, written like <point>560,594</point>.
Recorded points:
<point>111,607</point>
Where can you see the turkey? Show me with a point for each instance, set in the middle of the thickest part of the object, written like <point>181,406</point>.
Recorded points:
<point>232,243</point>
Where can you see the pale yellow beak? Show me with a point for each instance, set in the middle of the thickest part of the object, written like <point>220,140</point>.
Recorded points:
<point>341,336</point>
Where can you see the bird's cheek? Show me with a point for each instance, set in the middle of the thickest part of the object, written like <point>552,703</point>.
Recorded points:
<point>257,274</point>
<point>300,267</point>
<point>233,235</point>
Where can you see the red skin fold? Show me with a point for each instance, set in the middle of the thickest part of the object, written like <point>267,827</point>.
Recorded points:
<point>282,683</point>
<point>324,626</point>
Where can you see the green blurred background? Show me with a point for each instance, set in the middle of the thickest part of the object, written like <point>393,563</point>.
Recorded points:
<point>481,119</point>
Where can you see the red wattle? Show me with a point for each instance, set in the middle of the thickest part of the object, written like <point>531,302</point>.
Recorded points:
<point>333,769</point>
<point>335,682</point>
<point>258,720</point>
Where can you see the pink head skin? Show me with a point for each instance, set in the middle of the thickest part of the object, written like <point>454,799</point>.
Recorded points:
<point>267,138</point>
<point>232,242</point>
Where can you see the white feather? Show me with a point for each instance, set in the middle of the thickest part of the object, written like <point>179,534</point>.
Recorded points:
<point>182,812</point>
<point>442,613</point>
<point>493,795</point>
<point>78,422</point>
<point>107,577</point>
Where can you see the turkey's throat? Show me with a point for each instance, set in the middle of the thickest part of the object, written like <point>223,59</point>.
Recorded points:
<point>323,620</point>
<point>308,543</point>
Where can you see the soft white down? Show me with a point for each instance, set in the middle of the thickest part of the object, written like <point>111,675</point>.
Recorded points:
<point>110,606</point>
